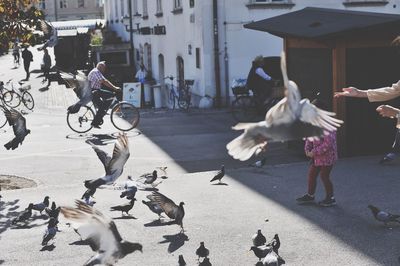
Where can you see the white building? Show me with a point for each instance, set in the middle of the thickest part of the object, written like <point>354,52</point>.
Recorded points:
<point>183,43</point>
<point>63,10</point>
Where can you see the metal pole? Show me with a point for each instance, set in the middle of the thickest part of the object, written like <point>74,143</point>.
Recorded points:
<point>132,55</point>
<point>55,10</point>
<point>216,55</point>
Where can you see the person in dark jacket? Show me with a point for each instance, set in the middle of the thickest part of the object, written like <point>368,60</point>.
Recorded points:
<point>27,57</point>
<point>46,66</point>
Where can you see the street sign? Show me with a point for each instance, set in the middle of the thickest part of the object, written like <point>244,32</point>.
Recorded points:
<point>131,93</point>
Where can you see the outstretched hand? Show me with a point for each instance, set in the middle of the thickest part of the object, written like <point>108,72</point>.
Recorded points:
<point>347,92</point>
<point>387,111</point>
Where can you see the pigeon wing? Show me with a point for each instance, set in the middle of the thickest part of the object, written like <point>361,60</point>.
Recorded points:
<point>46,28</point>
<point>166,204</point>
<point>103,156</point>
<point>120,154</point>
<point>318,117</point>
<point>19,127</point>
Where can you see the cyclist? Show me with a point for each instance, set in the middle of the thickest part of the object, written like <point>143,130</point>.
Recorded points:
<point>16,53</point>
<point>101,90</point>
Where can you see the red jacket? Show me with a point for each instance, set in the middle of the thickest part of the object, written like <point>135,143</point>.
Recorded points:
<point>324,150</point>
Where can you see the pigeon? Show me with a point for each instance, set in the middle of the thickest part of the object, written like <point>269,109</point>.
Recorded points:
<point>202,251</point>
<point>41,206</point>
<point>50,33</point>
<point>50,232</point>
<point>149,177</point>
<point>205,262</point>
<point>81,86</point>
<point>130,189</point>
<point>25,215</point>
<point>383,216</point>
<point>271,259</point>
<point>219,175</point>
<point>18,123</point>
<point>114,165</point>
<point>173,211</point>
<point>259,239</point>
<point>163,170</point>
<point>124,207</point>
<point>181,261</point>
<point>88,195</point>
<point>276,244</point>
<point>153,206</point>
<point>53,212</point>
<point>290,119</point>
<point>261,251</point>
<point>101,233</point>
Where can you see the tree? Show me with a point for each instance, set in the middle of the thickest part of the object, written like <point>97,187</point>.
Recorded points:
<point>18,20</point>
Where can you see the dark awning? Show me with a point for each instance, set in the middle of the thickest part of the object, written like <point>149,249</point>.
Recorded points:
<point>321,23</point>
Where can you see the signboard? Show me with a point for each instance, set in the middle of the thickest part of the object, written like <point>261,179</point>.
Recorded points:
<point>131,93</point>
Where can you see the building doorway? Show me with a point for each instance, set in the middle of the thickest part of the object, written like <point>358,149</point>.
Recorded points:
<point>180,71</point>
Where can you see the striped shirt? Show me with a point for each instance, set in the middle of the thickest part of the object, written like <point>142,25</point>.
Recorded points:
<point>95,79</point>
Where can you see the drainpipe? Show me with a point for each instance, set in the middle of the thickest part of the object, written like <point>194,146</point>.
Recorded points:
<point>132,58</point>
<point>216,55</point>
<point>55,10</point>
<point>226,61</point>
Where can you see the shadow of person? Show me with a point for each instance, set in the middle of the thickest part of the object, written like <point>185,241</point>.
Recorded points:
<point>159,223</point>
<point>48,248</point>
<point>175,241</point>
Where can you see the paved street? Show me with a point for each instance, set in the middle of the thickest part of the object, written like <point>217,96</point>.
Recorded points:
<point>192,146</point>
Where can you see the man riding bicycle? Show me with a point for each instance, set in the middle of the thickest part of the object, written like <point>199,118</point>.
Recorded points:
<point>101,90</point>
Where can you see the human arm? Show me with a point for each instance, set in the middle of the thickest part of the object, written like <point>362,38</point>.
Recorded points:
<point>388,111</point>
<point>108,84</point>
<point>351,92</point>
<point>373,95</point>
<point>308,146</point>
<point>261,73</point>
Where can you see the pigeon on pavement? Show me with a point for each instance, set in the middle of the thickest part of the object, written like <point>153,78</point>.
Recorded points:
<point>261,251</point>
<point>101,233</point>
<point>173,211</point>
<point>18,123</point>
<point>114,165</point>
<point>271,259</point>
<point>219,175</point>
<point>50,232</point>
<point>181,261</point>
<point>149,178</point>
<point>202,251</point>
<point>205,262</point>
<point>42,205</point>
<point>124,207</point>
<point>258,239</point>
<point>23,216</point>
<point>163,170</point>
<point>88,195</point>
<point>153,206</point>
<point>290,119</point>
<point>53,212</point>
<point>130,189</point>
<point>383,216</point>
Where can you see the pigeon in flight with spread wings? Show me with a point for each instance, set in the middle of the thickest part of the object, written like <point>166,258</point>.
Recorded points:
<point>114,165</point>
<point>101,233</point>
<point>173,211</point>
<point>81,86</point>
<point>50,33</point>
<point>18,123</point>
<point>291,118</point>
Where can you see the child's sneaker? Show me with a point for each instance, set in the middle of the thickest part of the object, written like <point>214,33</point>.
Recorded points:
<point>305,199</point>
<point>328,202</point>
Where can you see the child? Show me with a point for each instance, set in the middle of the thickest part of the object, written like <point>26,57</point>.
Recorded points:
<point>323,154</point>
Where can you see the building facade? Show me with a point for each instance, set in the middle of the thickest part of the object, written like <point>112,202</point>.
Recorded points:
<point>63,10</point>
<point>205,40</point>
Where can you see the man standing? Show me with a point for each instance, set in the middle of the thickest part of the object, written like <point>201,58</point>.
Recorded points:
<point>46,66</point>
<point>141,77</point>
<point>27,57</point>
<point>101,90</point>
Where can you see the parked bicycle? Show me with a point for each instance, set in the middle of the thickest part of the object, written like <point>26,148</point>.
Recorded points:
<point>124,116</point>
<point>6,96</point>
<point>180,95</point>
<point>247,107</point>
<point>22,96</point>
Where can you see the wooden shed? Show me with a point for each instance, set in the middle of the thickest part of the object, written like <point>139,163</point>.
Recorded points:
<point>329,49</point>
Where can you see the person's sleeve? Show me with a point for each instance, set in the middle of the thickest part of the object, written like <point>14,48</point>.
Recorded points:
<point>326,144</point>
<point>261,73</point>
<point>384,94</point>
<point>308,146</point>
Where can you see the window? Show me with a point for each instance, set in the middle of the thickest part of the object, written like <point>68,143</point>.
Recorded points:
<point>145,14</point>
<point>63,3</point>
<point>177,4</point>
<point>197,57</point>
<point>122,8</point>
<point>267,3</point>
<point>81,3</point>
<point>116,11</point>
<point>191,3</point>
<point>99,3</point>
<point>42,4</point>
<point>135,7</point>
<point>365,2</point>
<point>159,7</point>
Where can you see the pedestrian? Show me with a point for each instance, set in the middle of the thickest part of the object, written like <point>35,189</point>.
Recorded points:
<point>141,77</point>
<point>16,53</point>
<point>27,57</point>
<point>322,154</point>
<point>46,65</point>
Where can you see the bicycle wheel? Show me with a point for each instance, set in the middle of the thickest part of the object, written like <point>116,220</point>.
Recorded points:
<point>171,99</point>
<point>81,121</point>
<point>184,99</point>
<point>3,119</point>
<point>244,109</point>
<point>12,99</point>
<point>27,100</point>
<point>125,116</point>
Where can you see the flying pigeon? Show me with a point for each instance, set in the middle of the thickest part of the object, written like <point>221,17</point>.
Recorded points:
<point>42,205</point>
<point>219,175</point>
<point>153,206</point>
<point>130,189</point>
<point>124,207</point>
<point>53,212</point>
<point>202,251</point>
<point>18,123</point>
<point>114,165</point>
<point>258,239</point>
<point>181,261</point>
<point>205,262</point>
<point>261,251</point>
<point>49,33</point>
<point>88,195</point>
<point>173,211</point>
<point>25,215</point>
<point>50,232</point>
<point>163,170</point>
<point>383,216</point>
<point>101,233</point>
<point>81,86</point>
<point>290,119</point>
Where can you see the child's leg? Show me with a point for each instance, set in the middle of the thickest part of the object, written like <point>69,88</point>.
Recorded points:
<point>325,172</point>
<point>312,179</point>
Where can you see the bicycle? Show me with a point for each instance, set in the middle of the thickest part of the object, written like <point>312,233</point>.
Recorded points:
<point>124,116</point>
<point>180,95</point>
<point>25,97</point>
<point>7,96</point>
